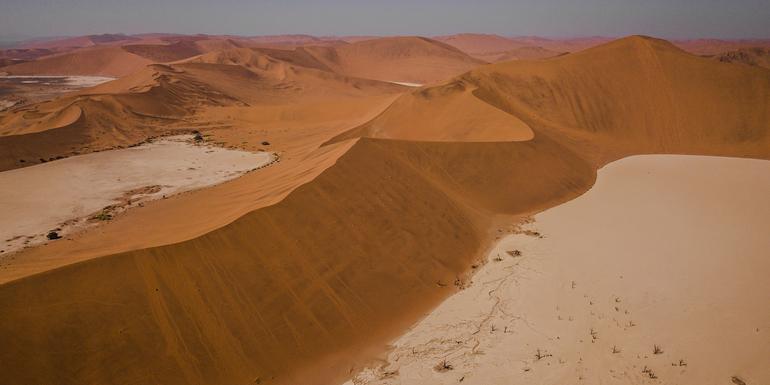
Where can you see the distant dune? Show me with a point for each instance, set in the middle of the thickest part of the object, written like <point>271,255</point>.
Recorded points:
<point>494,48</point>
<point>163,98</point>
<point>396,59</point>
<point>101,61</point>
<point>383,199</point>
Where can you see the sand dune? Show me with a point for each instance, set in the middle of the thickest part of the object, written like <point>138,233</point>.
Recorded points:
<point>635,95</point>
<point>449,113</point>
<point>303,275</point>
<point>397,59</point>
<point>163,99</point>
<point>110,61</point>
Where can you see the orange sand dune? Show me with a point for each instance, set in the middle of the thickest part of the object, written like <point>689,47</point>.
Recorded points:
<point>494,48</point>
<point>102,60</point>
<point>301,279</point>
<point>396,59</point>
<point>636,95</point>
<point>229,311</point>
<point>447,113</point>
<point>119,113</point>
<point>161,98</point>
<point>399,59</point>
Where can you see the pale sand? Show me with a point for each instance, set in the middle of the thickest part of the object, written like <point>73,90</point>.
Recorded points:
<point>64,193</point>
<point>407,84</point>
<point>72,81</point>
<point>667,250</point>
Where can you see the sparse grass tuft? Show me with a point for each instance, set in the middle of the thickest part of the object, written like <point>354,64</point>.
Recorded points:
<point>540,354</point>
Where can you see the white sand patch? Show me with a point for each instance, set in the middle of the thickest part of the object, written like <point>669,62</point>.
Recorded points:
<point>65,193</point>
<point>6,104</point>
<point>667,251</point>
<point>408,84</point>
<point>72,81</point>
<point>87,81</point>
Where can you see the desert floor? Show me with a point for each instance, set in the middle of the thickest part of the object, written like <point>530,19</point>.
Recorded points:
<point>17,89</point>
<point>657,275</point>
<point>96,186</point>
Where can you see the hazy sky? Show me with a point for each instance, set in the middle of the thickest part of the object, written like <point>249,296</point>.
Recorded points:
<point>663,18</point>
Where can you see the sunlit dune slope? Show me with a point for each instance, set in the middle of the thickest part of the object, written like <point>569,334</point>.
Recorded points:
<point>447,113</point>
<point>400,59</point>
<point>101,60</point>
<point>296,291</point>
<point>161,98</point>
<point>342,261</point>
<point>635,95</point>
<point>130,110</point>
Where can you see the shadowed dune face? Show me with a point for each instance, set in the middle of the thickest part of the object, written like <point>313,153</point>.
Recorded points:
<point>273,290</point>
<point>350,258</point>
<point>101,60</point>
<point>106,116</point>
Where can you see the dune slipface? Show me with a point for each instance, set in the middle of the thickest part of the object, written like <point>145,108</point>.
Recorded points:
<point>273,291</point>
<point>300,290</point>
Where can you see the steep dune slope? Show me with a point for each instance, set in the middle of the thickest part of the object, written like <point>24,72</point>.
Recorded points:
<point>314,276</point>
<point>295,292</point>
<point>446,113</point>
<point>637,95</point>
<point>633,95</point>
<point>402,59</point>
